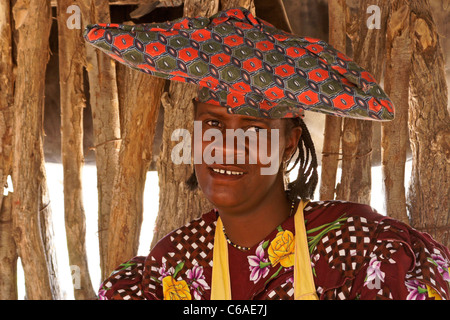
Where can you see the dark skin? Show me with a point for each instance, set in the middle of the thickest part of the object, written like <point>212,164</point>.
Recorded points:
<point>251,205</point>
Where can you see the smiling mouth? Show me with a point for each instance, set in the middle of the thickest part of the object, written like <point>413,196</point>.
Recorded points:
<point>228,172</point>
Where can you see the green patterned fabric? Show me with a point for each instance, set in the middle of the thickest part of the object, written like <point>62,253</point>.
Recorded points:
<point>248,66</point>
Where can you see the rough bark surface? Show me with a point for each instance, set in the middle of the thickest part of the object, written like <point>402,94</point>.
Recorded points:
<point>368,51</point>
<point>8,253</point>
<point>178,204</point>
<point>228,4</point>
<point>8,250</point>
<point>356,179</point>
<point>72,101</point>
<point>333,125</point>
<point>47,231</point>
<point>429,128</point>
<point>31,212</point>
<point>6,94</point>
<point>106,122</point>
<point>274,12</point>
<point>395,133</point>
<point>140,96</point>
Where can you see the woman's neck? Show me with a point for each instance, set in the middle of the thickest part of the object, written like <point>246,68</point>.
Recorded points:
<point>247,226</point>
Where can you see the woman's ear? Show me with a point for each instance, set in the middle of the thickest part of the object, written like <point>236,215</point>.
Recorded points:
<point>292,139</point>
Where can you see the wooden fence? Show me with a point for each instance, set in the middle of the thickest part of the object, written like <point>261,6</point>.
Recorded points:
<point>403,51</point>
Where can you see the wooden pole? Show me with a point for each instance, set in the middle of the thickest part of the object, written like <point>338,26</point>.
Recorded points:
<point>177,204</point>
<point>395,133</point>
<point>8,253</point>
<point>356,178</point>
<point>273,12</point>
<point>428,198</point>
<point>30,214</point>
<point>72,99</point>
<point>8,250</point>
<point>140,98</point>
<point>368,51</point>
<point>6,94</point>
<point>106,122</point>
<point>333,125</point>
<point>229,4</point>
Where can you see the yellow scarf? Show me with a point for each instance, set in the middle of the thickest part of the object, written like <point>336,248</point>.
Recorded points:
<point>304,288</point>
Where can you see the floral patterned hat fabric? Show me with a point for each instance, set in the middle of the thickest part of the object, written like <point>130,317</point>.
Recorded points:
<point>247,65</point>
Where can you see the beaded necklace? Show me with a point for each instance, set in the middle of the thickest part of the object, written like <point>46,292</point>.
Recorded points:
<point>242,248</point>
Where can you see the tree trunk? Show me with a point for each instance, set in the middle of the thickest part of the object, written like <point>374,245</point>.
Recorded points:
<point>229,4</point>
<point>429,129</point>
<point>368,51</point>
<point>30,204</point>
<point>47,232</point>
<point>71,63</point>
<point>333,125</point>
<point>273,12</point>
<point>177,204</point>
<point>106,122</point>
<point>8,250</point>
<point>395,133</point>
<point>6,94</point>
<point>140,98</point>
<point>356,161</point>
<point>8,253</point>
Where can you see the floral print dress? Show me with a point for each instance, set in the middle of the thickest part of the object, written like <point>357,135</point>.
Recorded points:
<point>355,254</point>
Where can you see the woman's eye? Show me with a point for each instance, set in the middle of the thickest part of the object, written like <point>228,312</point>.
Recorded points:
<point>213,123</point>
<point>254,129</point>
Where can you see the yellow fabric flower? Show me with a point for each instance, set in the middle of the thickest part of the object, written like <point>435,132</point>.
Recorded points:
<point>433,293</point>
<point>175,290</point>
<point>281,249</point>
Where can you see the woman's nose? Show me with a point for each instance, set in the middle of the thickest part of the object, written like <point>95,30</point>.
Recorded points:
<point>239,147</point>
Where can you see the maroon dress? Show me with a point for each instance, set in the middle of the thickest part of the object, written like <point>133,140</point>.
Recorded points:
<point>355,252</point>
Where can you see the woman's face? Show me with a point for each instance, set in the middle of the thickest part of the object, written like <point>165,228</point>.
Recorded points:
<point>236,185</point>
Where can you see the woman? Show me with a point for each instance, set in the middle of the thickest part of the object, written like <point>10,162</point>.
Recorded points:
<point>265,239</point>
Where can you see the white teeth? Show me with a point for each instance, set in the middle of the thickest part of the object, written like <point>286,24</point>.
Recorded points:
<point>228,172</point>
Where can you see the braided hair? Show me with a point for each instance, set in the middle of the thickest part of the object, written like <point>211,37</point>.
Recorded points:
<point>304,185</point>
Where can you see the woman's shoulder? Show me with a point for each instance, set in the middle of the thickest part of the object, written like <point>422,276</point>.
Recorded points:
<point>198,232</point>
<point>364,222</point>
<point>335,208</point>
<point>363,254</point>
<point>124,282</point>
<point>185,249</point>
